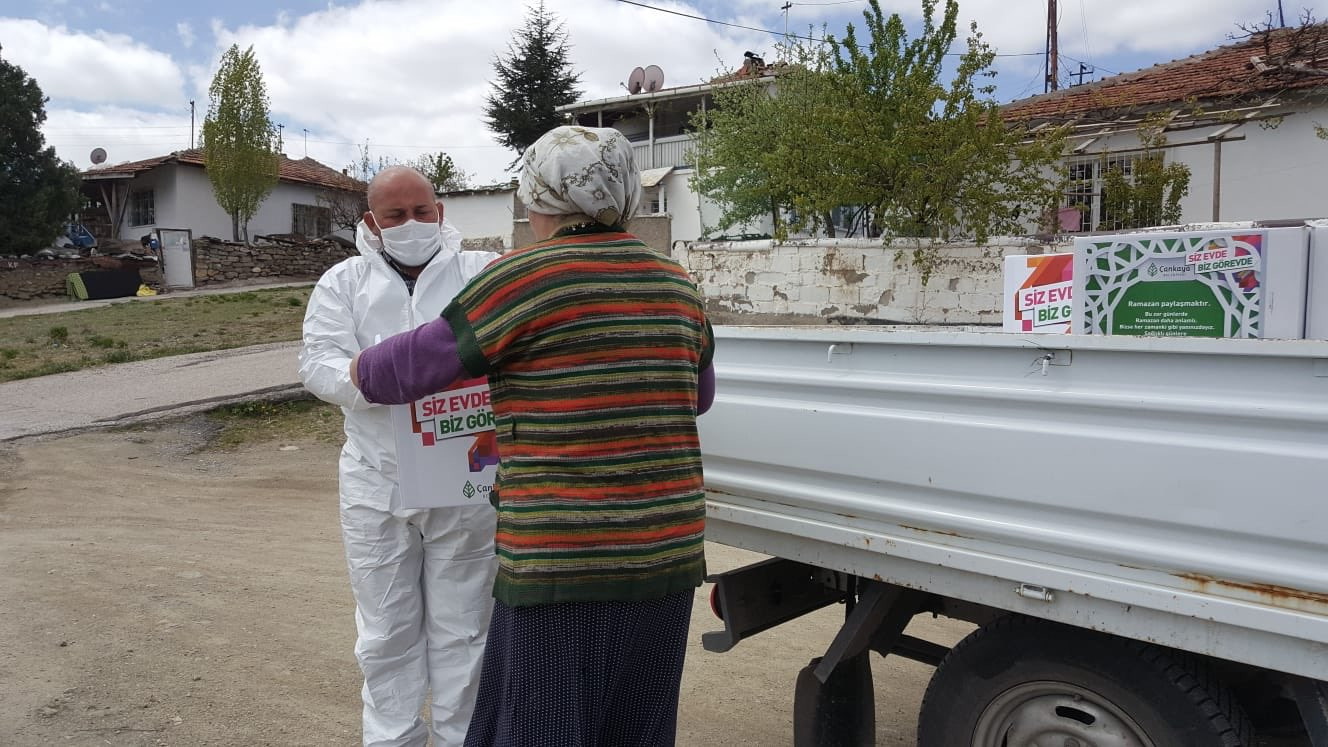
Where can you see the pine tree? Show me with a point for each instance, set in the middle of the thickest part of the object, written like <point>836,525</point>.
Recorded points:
<point>37,190</point>
<point>533,80</point>
<point>239,139</point>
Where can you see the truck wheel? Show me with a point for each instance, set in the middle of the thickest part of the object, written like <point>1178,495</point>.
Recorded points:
<point>1020,682</point>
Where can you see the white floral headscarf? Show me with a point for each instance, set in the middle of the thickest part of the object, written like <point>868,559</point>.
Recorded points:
<point>589,170</point>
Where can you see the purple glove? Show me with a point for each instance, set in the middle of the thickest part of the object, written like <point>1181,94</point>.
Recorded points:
<point>410,365</point>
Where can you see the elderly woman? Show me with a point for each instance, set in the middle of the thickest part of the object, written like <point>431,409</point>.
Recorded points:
<point>598,355</point>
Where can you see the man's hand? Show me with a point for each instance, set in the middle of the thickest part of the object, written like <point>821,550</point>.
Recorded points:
<point>355,371</point>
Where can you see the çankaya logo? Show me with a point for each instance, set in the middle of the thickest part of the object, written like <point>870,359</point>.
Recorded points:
<point>468,490</point>
<point>1164,270</point>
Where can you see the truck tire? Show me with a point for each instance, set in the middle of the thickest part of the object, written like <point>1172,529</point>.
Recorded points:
<point>1020,682</point>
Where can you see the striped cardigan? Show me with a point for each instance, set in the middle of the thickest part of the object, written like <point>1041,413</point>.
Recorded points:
<point>592,344</point>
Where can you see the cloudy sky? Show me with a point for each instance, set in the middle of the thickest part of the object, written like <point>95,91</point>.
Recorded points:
<point>410,76</point>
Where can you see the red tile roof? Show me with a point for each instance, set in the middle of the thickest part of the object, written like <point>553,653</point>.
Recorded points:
<point>1226,73</point>
<point>304,171</point>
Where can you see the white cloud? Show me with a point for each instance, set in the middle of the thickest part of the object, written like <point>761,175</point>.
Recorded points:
<point>95,68</point>
<point>412,73</point>
<point>1159,29</point>
<point>186,34</point>
<point>127,134</point>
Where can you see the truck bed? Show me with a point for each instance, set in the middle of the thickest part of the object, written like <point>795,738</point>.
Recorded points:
<point>1168,490</point>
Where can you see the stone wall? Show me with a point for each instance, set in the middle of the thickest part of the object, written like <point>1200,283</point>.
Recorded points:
<point>855,280</point>
<point>484,244</point>
<point>26,279</point>
<point>224,261</point>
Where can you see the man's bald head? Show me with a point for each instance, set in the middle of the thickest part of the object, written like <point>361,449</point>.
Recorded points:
<point>398,194</point>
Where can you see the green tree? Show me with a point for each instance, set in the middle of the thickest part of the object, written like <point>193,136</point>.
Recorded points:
<point>38,191</point>
<point>531,82</point>
<point>240,149</point>
<point>875,127</point>
<point>1150,194</point>
<point>439,169</point>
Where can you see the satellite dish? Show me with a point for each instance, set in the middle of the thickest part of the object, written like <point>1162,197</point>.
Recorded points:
<point>98,155</point>
<point>636,80</point>
<point>654,78</point>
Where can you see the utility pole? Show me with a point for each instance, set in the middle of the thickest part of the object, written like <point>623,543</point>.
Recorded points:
<point>191,123</point>
<point>1281,17</point>
<point>1050,66</point>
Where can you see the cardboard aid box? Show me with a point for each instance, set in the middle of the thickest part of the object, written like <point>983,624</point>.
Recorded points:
<point>1316,311</point>
<point>1039,293</point>
<point>1237,281</point>
<point>447,449</point>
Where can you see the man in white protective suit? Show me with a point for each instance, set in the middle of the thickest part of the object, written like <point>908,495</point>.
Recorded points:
<point>421,579</point>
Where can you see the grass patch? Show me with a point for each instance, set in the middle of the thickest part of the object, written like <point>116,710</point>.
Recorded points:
<point>299,420</point>
<point>138,330</point>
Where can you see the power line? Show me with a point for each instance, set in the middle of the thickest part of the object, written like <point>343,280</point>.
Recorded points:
<point>721,23</point>
<point>399,145</point>
<point>840,2</point>
<point>116,127</point>
<point>794,36</point>
<point>1088,42</point>
<point>1095,67</point>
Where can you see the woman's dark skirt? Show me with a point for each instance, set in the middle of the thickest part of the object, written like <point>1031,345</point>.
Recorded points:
<point>582,674</point>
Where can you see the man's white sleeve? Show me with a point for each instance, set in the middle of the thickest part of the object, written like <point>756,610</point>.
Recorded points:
<point>329,345</point>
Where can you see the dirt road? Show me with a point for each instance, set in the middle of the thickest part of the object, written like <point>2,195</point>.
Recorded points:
<point>159,592</point>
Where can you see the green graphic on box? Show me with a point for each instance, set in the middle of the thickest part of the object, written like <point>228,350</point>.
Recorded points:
<point>1174,285</point>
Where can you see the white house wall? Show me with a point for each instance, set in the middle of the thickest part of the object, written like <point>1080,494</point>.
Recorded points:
<point>162,183</point>
<point>1274,173</point>
<point>481,215</point>
<point>276,214</point>
<point>1269,175</point>
<point>188,202</point>
<point>683,205</point>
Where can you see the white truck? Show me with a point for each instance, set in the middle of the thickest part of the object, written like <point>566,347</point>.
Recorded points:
<point>1137,526</point>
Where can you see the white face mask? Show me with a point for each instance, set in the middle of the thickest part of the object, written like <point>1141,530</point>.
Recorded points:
<point>412,243</point>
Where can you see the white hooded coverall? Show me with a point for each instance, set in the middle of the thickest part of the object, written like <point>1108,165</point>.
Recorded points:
<point>422,579</point>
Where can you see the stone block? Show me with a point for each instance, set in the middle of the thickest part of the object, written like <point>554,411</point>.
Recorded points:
<point>814,294</point>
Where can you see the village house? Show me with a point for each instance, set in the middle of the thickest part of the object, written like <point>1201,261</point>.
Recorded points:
<point>658,122</point>
<point>483,215</point>
<point>1246,119</point>
<point>172,192</point>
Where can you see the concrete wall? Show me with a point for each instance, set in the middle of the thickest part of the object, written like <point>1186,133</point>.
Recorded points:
<point>482,217</point>
<point>184,199</point>
<point>855,279</point>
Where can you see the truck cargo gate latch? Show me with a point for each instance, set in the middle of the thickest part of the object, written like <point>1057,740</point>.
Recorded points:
<point>1036,593</point>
